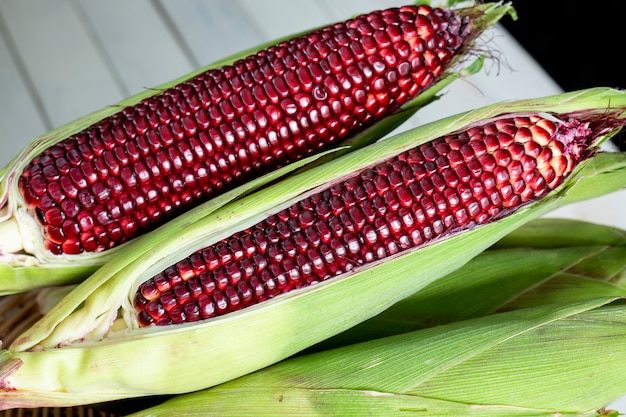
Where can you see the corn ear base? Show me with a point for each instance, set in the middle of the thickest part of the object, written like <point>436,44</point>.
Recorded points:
<point>500,365</point>
<point>92,328</point>
<point>21,272</point>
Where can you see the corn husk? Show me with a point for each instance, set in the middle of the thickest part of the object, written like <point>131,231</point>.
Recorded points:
<point>555,232</point>
<point>550,360</point>
<point>35,267</point>
<point>92,351</point>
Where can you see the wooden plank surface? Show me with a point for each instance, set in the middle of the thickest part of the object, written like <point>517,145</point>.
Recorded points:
<point>68,71</point>
<point>140,47</point>
<point>212,30</point>
<point>20,117</point>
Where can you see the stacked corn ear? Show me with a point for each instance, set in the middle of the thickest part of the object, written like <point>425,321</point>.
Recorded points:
<point>565,359</point>
<point>545,261</point>
<point>74,197</point>
<point>282,269</point>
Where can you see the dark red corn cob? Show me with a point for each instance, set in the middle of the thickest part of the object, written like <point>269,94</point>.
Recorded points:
<point>147,163</point>
<point>450,184</point>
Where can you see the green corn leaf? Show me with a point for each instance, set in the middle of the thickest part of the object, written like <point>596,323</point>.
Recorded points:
<point>23,271</point>
<point>559,233</point>
<point>92,350</point>
<point>600,274</point>
<point>551,360</point>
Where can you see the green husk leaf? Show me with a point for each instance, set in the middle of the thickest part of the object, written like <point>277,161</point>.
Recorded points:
<point>585,351</point>
<point>559,232</point>
<point>600,274</point>
<point>500,365</point>
<point>93,326</point>
<point>328,402</point>
<point>21,272</point>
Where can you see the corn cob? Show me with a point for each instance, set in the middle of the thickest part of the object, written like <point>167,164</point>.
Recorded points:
<point>129,172</point>
<point>96,326</point>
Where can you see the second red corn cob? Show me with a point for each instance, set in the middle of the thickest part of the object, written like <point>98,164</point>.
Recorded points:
<point>455,182</point>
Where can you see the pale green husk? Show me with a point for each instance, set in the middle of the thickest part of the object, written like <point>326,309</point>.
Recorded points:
<point>88,356</point>
<point>551,232</point>
<point>549,360</point>
<point>38,268</point>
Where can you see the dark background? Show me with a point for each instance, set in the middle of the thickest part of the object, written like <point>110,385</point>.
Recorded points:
<point>579,44</point>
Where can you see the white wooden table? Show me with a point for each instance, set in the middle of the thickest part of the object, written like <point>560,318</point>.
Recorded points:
<point>62,59</point>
